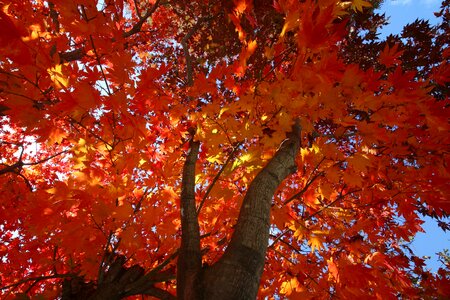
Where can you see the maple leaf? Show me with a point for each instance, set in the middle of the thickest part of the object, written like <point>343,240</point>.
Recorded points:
<point>390,55</point>
<point>11,39</point>
<point>315,243</point>
<point>58,77</point>
<point>333,269</point>
<point>360,161</point>
<point>290,286</point>
<point>158,142</point>
<point>358,5</point>
<point>247,51</point>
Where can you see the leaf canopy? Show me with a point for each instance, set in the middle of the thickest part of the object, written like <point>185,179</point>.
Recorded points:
<point>98,98</point>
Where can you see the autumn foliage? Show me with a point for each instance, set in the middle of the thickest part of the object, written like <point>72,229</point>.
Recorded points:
<point>131,132</point>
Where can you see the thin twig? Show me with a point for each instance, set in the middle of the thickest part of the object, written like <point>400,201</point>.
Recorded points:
<point>164,263</point>
<point>278,237</point>
<point>92,133</point>
<point>97,58</point>
<point>333,296</point>
<point>37,279</point>
<point>216,178</point>
<point>102,268</point>
<point>16,167</point>
<point>54,16</point>
<point>285,52</point>
<point>141,199</point>
<point>137,27</point>
<point>45,159</point>
<point>304,189</point>
<point>338,198</point>
<point>310,180</point>
<point>27,182</point>
<point>136,7</point>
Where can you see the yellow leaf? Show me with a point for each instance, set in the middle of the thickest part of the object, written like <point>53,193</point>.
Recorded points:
<point>289,286</point>
<point>79,162</point>
<point>315,148</point>
<point>251,46</point>
<point>315,243</point>
<point>198,178</point>
<point>79,176</point>
<point>342,214</point>
<point>56,136</point>
<point>241,160</point>
<point>51,191</point>
<point>298,231</point>
<point>320,232</point>
<point>342,6</point>
<point>360,4</point>
<point>215,159</point>
<point>304,152</point>
<point>57,76</point>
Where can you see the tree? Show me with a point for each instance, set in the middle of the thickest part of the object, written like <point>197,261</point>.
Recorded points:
<point>219,150</point>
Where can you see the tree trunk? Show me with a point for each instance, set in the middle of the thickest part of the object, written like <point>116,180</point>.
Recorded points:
<point>237,274</point>
<point>190,258</point>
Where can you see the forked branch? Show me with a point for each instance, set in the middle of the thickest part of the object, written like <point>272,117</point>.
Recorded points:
<point>244,258</point>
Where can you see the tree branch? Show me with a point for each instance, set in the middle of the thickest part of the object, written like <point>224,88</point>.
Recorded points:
<point>257,201</point>
<point>210,187</point>
<point>137,27</point>
<point>305,188</point>
<point>97,58</point>
<point>338,198</point>
<point>244,258</point>
<point>79,53</point>
<point>165,262</point>
<point>187,55</point>
<point>44,159</point>
<point>16,167</point>
<point>37,279</point>
<point>189,260</point>
<point>54,16</point>
<point>73,55</point>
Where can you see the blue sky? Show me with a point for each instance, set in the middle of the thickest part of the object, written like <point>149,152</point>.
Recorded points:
<point>400,13</point>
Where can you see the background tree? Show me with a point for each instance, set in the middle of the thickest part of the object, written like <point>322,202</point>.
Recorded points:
<point>219,150</point>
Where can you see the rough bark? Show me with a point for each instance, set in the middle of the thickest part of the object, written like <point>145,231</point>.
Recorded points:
<point>237,274</point>
<point>190,258</point>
